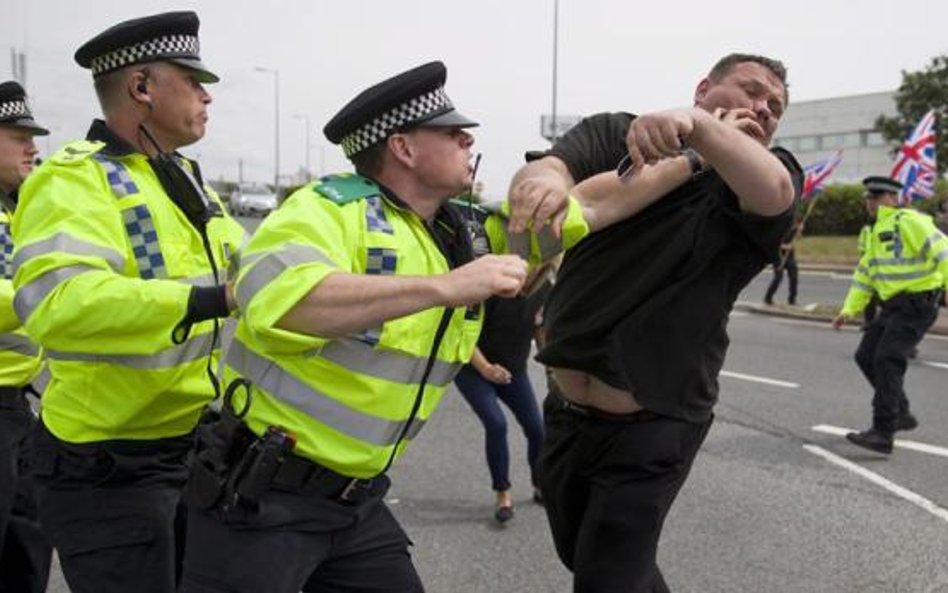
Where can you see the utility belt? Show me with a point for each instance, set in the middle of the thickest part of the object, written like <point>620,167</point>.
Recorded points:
<point>233,468</point>
<point>560,402</point>
<point>12,398</point>
<point>926,297</point>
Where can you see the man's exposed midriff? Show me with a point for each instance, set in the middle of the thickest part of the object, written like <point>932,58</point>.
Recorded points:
<point>586,390</point>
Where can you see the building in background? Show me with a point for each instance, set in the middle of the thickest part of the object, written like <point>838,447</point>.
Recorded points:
<point>813,129</point>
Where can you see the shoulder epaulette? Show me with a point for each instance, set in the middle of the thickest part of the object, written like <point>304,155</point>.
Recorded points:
<point>345,187</point>
<point>76,152</point>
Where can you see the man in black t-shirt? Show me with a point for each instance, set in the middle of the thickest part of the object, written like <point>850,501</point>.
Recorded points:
<point>636,321</point>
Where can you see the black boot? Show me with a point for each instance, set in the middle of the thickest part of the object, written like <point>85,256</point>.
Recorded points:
<point>906,421</point>
<point>873,439</point>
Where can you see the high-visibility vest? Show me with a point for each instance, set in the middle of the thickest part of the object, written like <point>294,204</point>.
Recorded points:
<point>352,402</point>
<point>104,266</point>
<point>904,253</point>
<point>20,357</point>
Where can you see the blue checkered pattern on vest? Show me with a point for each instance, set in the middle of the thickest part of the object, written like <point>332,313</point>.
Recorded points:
<point>144,239</point>
<point>375,216</point>
<point>6,252</point>
<point>119,179</point>
<point>379,261</point>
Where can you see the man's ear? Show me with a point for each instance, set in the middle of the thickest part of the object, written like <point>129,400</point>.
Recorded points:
<point>702,90</point>
<point>399,145</point>
<point>137,85</point>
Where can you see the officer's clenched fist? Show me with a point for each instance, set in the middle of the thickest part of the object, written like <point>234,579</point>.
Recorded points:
<point>501,275</point>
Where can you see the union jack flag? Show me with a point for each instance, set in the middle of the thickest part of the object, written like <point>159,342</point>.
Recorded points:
<point>915,163</point>
<point>815,175</point>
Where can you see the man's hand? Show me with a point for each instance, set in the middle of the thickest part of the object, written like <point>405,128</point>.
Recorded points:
<point>655,136</point>
<point>743,119</point>
<point>539,200</point>
<point>487,276</point>
<point>839,320</point>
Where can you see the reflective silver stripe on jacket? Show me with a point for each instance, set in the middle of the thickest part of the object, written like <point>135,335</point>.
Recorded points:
<point>861,286</point>
<point>19,344</point>
<point>941,256</point>
<point>270,265</point>
<point>29,296</point>
<point>203,281</point>
<point>195,348</point>
<point>270,377</point>
<point>549,244</point>
<point>65,243</point>
<point>902,275</point>
<point>389,365</point>
<point>897,261</point>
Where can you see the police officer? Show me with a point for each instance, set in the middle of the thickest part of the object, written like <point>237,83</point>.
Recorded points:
<point>25,553</point>
<point>360,300</point>
<point>906,263</point>
<point>120,252</point>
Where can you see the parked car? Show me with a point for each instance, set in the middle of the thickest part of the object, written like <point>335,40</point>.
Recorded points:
<point>253,199</point>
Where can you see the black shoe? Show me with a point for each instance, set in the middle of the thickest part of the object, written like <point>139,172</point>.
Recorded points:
<point>792,301</point>
<point>906,422</point>
<point>503,514</point>
<point>768,301</point>
<point>537,496</point>
<point>872,439</point>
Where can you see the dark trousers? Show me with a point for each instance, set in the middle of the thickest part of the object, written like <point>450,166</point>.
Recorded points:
<point>608,486</point>
<point>112,510</point>
<point>299,542</point>
<point>484,398</point>
<point>25,552</point>
<point>884,350</point>
<point>790,265</point>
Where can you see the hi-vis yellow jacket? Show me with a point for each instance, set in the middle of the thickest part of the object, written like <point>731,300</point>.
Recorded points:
<point>104,266</point>
<point>353,403</point>
<point>904,253</point>
<point>20,357</point>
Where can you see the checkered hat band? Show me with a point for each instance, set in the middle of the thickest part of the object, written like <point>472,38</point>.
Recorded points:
<point>172,46</point>
<point>14,109</point>
<point>379,128</point>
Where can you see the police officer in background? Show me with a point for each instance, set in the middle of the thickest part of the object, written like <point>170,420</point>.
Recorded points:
<point>906,263</point>
<point>25,553</point>
<point>360,300</point>
<point>119,259</point>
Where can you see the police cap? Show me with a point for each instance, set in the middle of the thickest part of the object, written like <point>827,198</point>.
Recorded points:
<point>408,100</point>
<point>169,37</point>
<point>14,111</point>
<point>877,185</point>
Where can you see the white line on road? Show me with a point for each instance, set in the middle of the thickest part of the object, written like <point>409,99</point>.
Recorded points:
<point>937,365</point>
<point>875,478</point>
<point>904,444</point>
<point>756,379</point>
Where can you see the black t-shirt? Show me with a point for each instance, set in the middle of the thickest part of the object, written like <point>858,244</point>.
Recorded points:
<point>508,329</point>
<point>643,304</point>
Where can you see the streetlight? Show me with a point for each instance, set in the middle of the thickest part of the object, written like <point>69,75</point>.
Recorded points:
<point>556,22</point>
<point>304,117</point>
<point>276,125</point>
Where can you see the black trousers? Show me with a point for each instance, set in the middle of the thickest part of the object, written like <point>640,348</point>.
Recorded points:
<point>113,511</point>
<point>25,552</point>
<point>299,542</point>
<point>790,265</point>
<point>883,352</point>
<point>607,487</point>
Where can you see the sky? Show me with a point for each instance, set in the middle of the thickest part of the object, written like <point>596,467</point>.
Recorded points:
<point>611,56</point>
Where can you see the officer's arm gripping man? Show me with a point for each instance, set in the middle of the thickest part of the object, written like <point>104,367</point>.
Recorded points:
<point>70,257</point>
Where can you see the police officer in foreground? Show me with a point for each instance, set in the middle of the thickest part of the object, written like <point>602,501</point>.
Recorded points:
<point>360,300</point>
<point>906,264</point>
<point>25,553</point>
<point>119,259</point>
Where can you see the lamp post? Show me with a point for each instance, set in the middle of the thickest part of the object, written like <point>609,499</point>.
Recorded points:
<point>556,22</point>
<point>276,125</point>
<point>305,118</point>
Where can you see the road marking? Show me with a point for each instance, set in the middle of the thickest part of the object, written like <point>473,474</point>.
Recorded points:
<point>904,444</point>
<point>875,478</point>
<point>756,379</point>
<point>937,365</point>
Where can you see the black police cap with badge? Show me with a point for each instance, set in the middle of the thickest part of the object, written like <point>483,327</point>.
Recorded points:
<point>14,110</point>
<point>408,100</point>
<point>167,37</point>
<point>876,185</point>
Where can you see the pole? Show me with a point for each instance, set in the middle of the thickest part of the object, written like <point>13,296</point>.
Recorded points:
<point>276,125</point>
<point>305,118</point>
<point>556,20</point>
<point>799,230</point>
